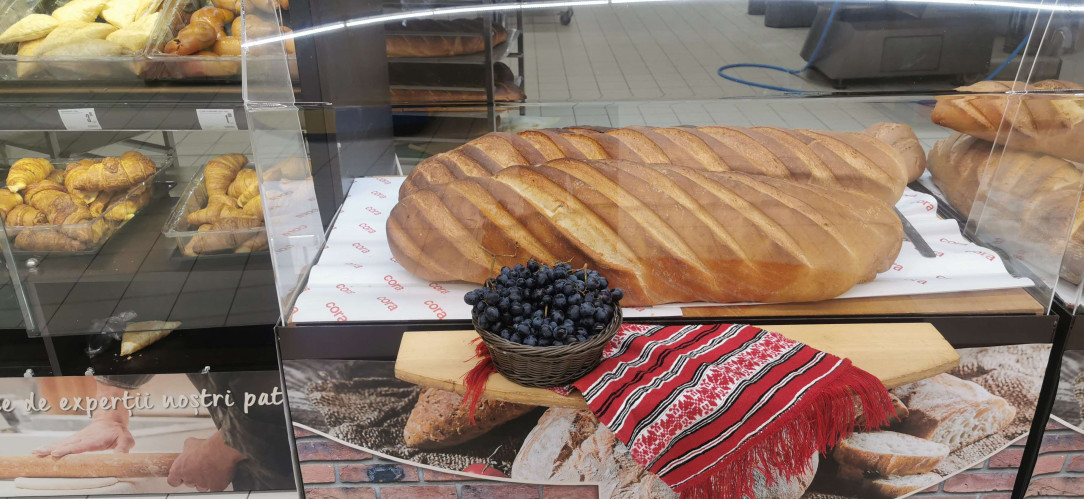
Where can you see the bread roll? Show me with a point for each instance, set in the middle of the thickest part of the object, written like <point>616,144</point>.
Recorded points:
<point>662,233</point>
<point>1046,123</point>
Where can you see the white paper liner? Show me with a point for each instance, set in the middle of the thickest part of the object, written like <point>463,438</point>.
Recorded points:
<point>357,278</point>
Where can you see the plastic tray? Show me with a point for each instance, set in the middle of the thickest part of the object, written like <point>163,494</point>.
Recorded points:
<point>67,68</point>
<point>162,66</point>
<point>108,226</point>
<point>192,199</point>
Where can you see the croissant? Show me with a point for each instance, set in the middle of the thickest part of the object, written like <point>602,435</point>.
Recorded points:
<point>253,244</point>
<point>225,234</point>
<point>244,187</point>
<point>134,36</point>
<point>23,215</point>
<point>74,172</point>
<point>26,171</point>
<point>253,208</point>
<point>126,208</point>
<point>61,209</point>
<point>220,172</point>
<point>195,37</point>
<point>57,176</point>
<point>113,174</point>
<point>41,186</point>
<point>8,200</point>
<point>853,161</point>
<point>662,233</point>
<point>46,240</point>
<point>98,205</point>
<point>1046,123</point>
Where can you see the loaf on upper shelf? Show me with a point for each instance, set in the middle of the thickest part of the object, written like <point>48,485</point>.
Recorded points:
<point>1030,200</point>
<point>438,38</point>
<point>879,161</point>
<point>664,234</point>
<point>1046,123</point>
<point>459,83</point>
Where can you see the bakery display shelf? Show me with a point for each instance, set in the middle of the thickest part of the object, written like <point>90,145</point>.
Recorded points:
<point>237,348</point>
<point>137,106</point>
<point>135,271</point>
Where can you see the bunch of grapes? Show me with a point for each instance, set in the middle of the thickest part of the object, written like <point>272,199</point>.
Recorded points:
<point>539,305</point>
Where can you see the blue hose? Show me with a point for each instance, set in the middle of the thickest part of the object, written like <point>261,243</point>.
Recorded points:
<point>812,57</point>
<point>1010,58</point>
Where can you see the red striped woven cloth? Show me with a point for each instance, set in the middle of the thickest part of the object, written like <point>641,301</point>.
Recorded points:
<point>705,406</point>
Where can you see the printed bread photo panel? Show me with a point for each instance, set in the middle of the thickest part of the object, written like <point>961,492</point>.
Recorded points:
<point>879,161</point>
<point>662,233</point>
<point>1048,123</point>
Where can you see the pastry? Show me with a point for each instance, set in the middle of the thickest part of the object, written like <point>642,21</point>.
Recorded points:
<point>253,244</point>
<point>225,234</point>
<point>26,171</point>
<point>440,419</point>
<point>1046,123</point>
<point>121,13</point>
<point>79,10</point>
<point>88,49</point>
<point>24,215</point>
<point>854,161</point>
<point>244,187</point>
<point>664,234</point>
<point>952,411</point>
<point>123,209</point>
<point>218,174</point>
<point>112,174</point>
<point>140,335</point>
<point>8,200</point>
<point>31,27</point>
<point>46,240</point>
<point>134,37</point>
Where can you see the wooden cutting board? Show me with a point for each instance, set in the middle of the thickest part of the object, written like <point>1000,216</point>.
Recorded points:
<point>897,353</point>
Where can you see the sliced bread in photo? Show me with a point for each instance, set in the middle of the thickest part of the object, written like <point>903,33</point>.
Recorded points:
<point>952,411</point>
<point>895,486</point>
<point>887,453</point>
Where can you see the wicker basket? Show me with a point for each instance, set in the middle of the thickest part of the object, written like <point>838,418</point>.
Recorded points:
<point>546,367</point>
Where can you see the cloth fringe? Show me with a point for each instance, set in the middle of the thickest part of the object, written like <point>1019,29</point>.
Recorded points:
<point>822,418</point>
<point>475,380</point>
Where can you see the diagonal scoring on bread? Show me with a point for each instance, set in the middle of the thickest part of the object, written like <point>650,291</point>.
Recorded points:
<point>878,162</point>
<point>663,233</point>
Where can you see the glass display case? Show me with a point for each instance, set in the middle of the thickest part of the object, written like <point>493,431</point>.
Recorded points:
<point>901,176</point>
<point>917,166</point>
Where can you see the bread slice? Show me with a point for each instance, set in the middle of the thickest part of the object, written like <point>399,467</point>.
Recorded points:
<point>952,411</point>
<point>895,486</point>
<point>888,453</point>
